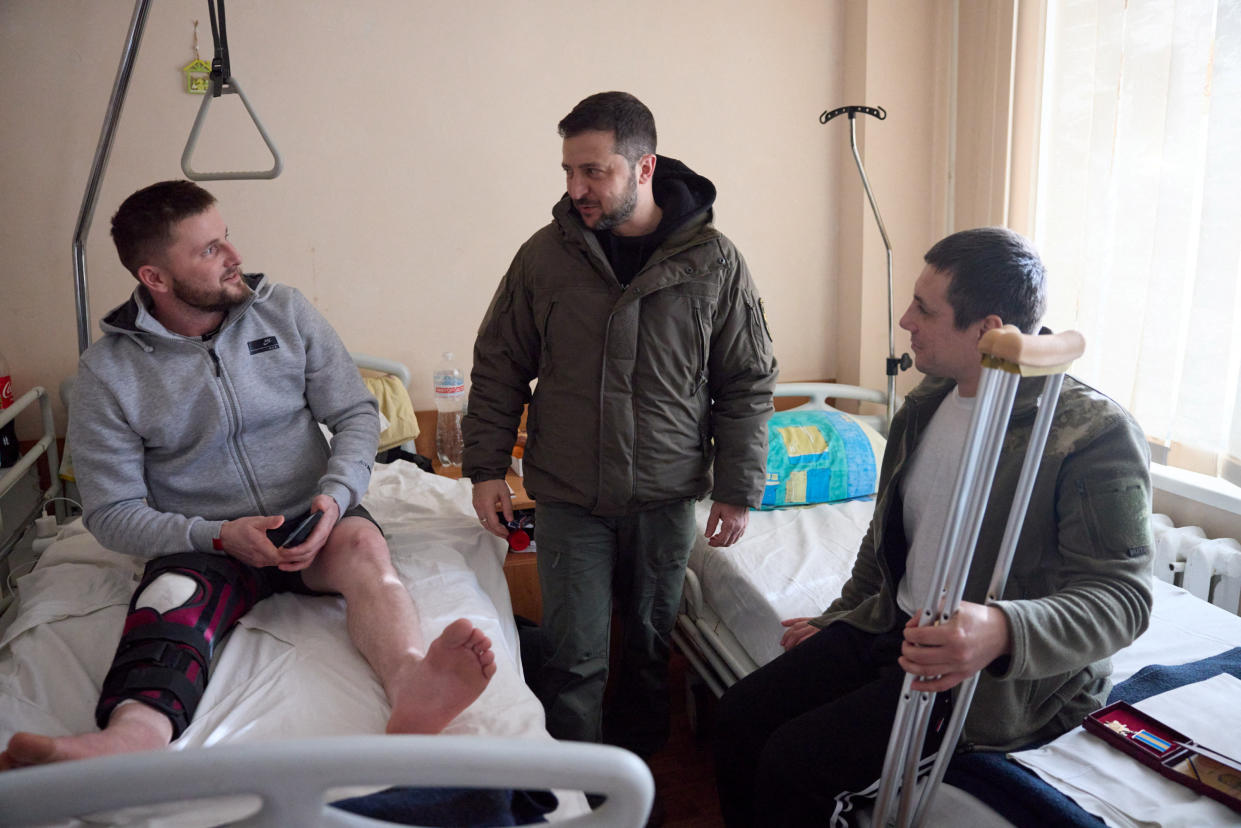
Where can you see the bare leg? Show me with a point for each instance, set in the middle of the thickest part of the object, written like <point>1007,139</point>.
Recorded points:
<point>426,686</point>
<point>131,728</point>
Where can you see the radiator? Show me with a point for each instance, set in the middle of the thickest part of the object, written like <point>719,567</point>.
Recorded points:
<point>1209,568</point>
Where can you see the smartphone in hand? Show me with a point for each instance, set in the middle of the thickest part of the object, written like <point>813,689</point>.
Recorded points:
<point>299,533</point>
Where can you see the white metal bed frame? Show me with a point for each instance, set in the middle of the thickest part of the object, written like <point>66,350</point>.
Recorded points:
<point>45,446</point>
<point>36,796</point>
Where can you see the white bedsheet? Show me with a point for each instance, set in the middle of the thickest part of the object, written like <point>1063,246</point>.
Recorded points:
<point>1183,628</point>
<point>1126,794</point>
<point>1120,790</point>
<point>790,563</point>
<point>289,669</point>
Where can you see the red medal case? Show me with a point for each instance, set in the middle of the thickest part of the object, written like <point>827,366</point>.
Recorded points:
<point>1166,751</point>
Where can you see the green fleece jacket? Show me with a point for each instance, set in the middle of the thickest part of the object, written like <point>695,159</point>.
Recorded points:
<point>640,387</point>
<point>1080,584</point>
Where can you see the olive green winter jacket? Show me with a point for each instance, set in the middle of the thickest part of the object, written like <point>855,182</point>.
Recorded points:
<point>1080,584</point>
<point>639,388</point>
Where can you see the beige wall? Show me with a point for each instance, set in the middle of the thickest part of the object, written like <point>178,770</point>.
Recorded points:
<point>420,151</point>
<point>940,162</point>
<point>900,59</point>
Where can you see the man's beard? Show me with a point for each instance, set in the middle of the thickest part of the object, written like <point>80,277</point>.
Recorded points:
<point>623,211</point>
<point>211,300</point>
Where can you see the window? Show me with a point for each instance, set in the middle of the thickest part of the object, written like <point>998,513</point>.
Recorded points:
<point>1139,213</point>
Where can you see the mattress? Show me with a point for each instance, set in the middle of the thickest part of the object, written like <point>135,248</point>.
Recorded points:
<point>288,669</point>
<point>790,563</point>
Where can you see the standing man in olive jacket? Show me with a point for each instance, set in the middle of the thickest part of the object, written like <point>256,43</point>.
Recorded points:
<point>801,740</point>
<point>646,334</point>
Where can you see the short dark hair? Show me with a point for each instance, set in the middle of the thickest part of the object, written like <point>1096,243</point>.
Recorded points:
<point>142,226</point>
<point>992,270</point>
<point>620,113</point>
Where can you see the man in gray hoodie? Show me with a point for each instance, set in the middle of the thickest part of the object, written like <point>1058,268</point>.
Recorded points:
<point>196,443</point>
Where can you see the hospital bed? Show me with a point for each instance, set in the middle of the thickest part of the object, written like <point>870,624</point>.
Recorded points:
<point>292,713</point>
<point>788,562</point>
<point>792,562</point>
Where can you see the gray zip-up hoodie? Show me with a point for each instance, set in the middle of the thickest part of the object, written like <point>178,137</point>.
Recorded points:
<point>173,435</point>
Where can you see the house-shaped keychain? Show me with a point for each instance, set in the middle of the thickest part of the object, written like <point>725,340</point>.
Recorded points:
<point>197,76</point>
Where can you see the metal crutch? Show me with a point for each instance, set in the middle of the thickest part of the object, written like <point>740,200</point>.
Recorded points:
<point>893,365</point>
<point>1007,356</point>
<point>224,83</point>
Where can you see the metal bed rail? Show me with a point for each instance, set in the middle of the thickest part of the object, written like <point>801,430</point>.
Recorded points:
<point>46,445</point>
<point>292,778</point>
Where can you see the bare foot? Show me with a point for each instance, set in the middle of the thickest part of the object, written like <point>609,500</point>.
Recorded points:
<point>453,674</point>
<point>132,728</point>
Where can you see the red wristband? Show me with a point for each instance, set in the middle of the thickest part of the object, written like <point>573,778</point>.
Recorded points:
<point>217,544</point>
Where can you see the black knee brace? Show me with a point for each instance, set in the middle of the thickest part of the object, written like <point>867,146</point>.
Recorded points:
<point>163,657</point>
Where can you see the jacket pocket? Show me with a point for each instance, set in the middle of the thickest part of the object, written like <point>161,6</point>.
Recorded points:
<point>532,429</point>
<point>760,335</point>
<point>705,440</point>
<point>1116,516</point>
<point>545,348</point>
<point>703,347</point>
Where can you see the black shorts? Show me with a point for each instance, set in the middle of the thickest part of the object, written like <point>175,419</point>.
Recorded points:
<point>275,579</point>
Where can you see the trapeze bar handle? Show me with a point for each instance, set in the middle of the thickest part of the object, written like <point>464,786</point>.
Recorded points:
<point>231,86</point>
<point>1030,354</point>
<point>877,111</point>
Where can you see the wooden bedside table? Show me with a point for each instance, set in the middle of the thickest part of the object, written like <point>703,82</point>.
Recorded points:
<point>520,568</point>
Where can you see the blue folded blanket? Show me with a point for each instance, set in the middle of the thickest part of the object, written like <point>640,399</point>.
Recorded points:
<point>1024,799</point>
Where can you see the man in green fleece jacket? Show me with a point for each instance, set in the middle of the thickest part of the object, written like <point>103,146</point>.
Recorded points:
<point>805,735</point>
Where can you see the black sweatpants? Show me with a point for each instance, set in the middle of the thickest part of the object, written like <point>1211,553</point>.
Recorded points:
<point>798,736</point>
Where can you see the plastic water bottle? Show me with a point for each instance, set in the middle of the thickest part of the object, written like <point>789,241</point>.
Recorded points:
<point>450,407</point>
<point>9,450</point>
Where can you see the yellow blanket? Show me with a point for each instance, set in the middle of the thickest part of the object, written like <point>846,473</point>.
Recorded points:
<point>395,408</point>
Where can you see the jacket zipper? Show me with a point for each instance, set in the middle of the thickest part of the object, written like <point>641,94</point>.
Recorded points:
<point>594,251</point>
<point>700,376</point>
<point>232,412</point>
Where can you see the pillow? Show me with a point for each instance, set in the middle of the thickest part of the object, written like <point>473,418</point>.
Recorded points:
<point>819,456</point>
<point>396,412</point>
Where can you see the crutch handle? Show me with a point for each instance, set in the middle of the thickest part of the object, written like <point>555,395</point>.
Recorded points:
<point>1030,354</point>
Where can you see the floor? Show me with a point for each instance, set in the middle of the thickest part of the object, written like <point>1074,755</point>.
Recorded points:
<point>684,773</point>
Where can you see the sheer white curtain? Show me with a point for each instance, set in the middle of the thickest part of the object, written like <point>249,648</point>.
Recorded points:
<point>1139,212</point>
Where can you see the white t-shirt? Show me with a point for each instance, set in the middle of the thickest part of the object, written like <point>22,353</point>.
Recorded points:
<point>926,491</point>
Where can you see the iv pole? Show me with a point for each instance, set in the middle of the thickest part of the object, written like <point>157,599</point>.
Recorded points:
<point>894,365</point>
